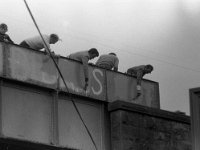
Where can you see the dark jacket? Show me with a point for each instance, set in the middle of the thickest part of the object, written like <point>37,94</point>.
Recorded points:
<point>5,38</point>
<point>138,72</point>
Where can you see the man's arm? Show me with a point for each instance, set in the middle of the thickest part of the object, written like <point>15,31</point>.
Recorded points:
<point>139,77</point>
<point>139,80</point>
<point>46,44</point>
<point>85,66</point>
<point>85,70</point>
<point>8,39</point>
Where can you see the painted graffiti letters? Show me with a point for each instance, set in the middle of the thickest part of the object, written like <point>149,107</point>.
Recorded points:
<point>94,73</point>
<point>95,84</point>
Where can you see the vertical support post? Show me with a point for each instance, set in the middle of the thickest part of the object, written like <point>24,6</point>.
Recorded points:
<point>1,130</point>
<point>195,117</point>
<point>54,122</point>
<point>55,131</point>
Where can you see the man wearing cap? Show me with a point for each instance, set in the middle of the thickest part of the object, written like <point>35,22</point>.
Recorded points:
<point>84,57</point>
<point>139,72</point>
<point>37,42</point>
<point>3,36</point>
<point>108,61</point>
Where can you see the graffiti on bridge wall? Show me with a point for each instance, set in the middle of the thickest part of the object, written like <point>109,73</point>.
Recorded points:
<point>74,78</point>
<point>33,67</point>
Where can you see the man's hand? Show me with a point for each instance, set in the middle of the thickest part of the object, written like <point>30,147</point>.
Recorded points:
<point>138,90</point>
<point>139,93</point>
<point>138,87</point>
<point>86,84</point>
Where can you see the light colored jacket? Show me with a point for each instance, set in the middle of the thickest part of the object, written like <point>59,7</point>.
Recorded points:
<point>108,61</point>
<point>37,42</point>
<point>83,57</point>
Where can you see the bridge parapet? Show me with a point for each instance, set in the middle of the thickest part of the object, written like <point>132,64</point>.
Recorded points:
<point>34,67</point>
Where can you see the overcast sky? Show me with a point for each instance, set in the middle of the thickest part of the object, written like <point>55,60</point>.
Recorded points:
<point>164,33</point>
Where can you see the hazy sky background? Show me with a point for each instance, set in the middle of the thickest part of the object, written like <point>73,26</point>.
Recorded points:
<point>164,33</point>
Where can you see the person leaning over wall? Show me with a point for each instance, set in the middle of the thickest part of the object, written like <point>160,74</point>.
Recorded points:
<point>84,57</point>
<point>37,42</point>
<point>108,61</point>
<point>139,72</point>
<point>3,36</point>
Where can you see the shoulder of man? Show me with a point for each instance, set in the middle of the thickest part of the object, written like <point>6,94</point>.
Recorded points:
<point>5,35</point>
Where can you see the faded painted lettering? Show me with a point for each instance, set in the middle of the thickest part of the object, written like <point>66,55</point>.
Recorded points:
<point>97,71</point>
